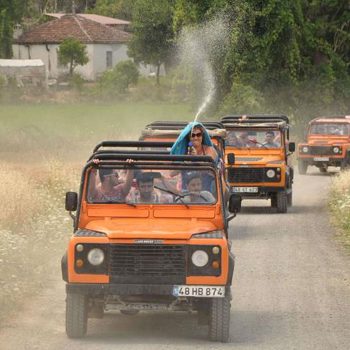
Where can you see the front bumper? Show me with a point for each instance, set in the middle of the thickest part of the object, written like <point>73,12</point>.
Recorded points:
<point>100,290</point>
<point>263,192</point>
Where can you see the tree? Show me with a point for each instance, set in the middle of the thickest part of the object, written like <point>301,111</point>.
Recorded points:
<point>114,8</point>
<point>72,52</point>
<point>152,33</point>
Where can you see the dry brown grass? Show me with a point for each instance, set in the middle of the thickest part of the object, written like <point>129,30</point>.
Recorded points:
<point>34,228</point>
<point>340,205</point>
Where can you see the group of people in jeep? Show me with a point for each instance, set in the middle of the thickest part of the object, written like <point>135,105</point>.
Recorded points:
<point>265,139</point>
<point>108,185</point>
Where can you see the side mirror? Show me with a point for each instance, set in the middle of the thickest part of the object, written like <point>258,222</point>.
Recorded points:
<point>234,204</point>
<point>291,147</point>
<point>71,201</point>
<point>231,158</point>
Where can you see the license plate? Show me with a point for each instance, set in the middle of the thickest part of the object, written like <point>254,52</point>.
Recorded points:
<point>321,159</point>
<point>245,189</point>
<point>199,291</point>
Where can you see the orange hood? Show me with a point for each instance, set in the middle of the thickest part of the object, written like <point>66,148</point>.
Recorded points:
<point>150,228</point>
<point>258,156</point>
<point>327,140</point>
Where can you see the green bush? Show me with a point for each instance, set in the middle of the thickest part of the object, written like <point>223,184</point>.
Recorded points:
<point>242,99</point>
<point>77,82</point>
<point>119,79</point>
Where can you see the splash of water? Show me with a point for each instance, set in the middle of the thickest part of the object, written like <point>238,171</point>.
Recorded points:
<point>198,47</point>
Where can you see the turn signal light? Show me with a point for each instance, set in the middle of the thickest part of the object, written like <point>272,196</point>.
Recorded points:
<point>215,264</point>
<point>79,263</point>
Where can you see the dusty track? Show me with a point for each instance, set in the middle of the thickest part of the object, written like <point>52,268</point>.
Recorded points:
<point>291,290</point>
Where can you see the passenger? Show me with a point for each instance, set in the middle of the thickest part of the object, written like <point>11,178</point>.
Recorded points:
<point>195,140</point>
<point>269,140</point>
<point>110,189</point>
<point>244,141</point>
<point>146,193</point>
<point>232,139</point>
<point>195,192</point>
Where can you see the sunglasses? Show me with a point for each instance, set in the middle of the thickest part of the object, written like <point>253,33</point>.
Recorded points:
<point>197,134</point>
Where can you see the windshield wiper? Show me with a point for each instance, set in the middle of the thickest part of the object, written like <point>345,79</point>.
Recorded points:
<point>177,195</point>
<point>114,202</point>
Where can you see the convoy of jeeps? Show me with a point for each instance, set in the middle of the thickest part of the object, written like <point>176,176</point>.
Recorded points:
<point>151,228</point>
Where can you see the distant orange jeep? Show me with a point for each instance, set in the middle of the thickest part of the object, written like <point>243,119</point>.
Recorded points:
<point>145,241</point>
<point>327,144</point>
<point>257,158</point>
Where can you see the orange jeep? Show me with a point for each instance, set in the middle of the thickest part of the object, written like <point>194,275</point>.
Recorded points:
<point>144,241</point>
<point>257,152</point>
<point>328,144</point>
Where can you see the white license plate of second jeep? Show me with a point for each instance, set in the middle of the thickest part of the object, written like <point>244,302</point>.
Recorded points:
<point>321,159</point>
<point>245,189</point>
<point>199,291</point>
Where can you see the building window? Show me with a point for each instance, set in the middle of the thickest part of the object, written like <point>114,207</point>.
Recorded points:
<point>109,62</point>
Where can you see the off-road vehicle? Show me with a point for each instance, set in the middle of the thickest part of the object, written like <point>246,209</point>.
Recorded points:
<point>257,152</point>
<point>147,243</point>
<point>327,144</point>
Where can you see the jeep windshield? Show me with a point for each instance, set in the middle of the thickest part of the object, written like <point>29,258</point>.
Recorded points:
<point>331,129</point>
<point>258,138</point>
<point>145,185</point>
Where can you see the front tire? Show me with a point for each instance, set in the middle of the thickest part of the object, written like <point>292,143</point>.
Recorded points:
<point>302,167</point>
<point>282,202</point>
<point>323,169</point>
<point>219,319</point>
<point>76,315</point>
<point>290,199</point>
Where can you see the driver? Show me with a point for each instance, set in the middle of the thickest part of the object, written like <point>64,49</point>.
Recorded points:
<point>195,193</point>
<point>269,140</point>
<point>145,192</point>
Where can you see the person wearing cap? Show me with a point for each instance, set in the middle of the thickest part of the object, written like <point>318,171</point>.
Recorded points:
<point>195,190</point>
<point>145,192</point>
<point>269,140</point>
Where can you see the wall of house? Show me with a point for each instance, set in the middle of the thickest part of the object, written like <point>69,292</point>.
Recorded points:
<point>97,54</point>
<point>119,53</point>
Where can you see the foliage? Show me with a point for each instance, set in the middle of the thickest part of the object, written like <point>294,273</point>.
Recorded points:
<point>340,204</point>
<point>72,52</point>
<point>152,33</point>
<point>77,82</point>
<point>119,78</point>
<point>241,99</point>
<point>114,8</point>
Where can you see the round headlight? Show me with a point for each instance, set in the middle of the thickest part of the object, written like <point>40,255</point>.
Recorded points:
<point>270,173</point>
<point>200,258</point>
<point>79,248</point>
<point>305,149</point>
<point>96,256</point>
<point>336,149</point>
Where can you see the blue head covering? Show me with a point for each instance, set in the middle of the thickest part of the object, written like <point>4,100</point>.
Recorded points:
<point>181,143</point>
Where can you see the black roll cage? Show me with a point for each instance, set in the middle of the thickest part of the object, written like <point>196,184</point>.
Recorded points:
<point>144,158</point>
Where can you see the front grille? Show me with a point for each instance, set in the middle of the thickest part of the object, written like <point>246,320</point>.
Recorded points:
<point>237,175</point>
<point>150,264</point>
<point>321,150</point>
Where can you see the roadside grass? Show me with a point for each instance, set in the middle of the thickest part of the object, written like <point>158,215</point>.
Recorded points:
<point>69,131</point>
<point>339,204</point>
<point>43,148</point>
<point>34,229</point>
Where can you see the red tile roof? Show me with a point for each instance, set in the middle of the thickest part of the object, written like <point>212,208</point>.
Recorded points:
<point>97,18</point>
<point>73,26</point>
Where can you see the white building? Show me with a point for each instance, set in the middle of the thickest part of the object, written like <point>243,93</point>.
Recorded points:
<point>24,72</point>
<point>106,46</point>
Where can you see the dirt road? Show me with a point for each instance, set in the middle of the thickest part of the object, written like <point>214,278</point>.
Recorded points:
<point>291,290</point>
